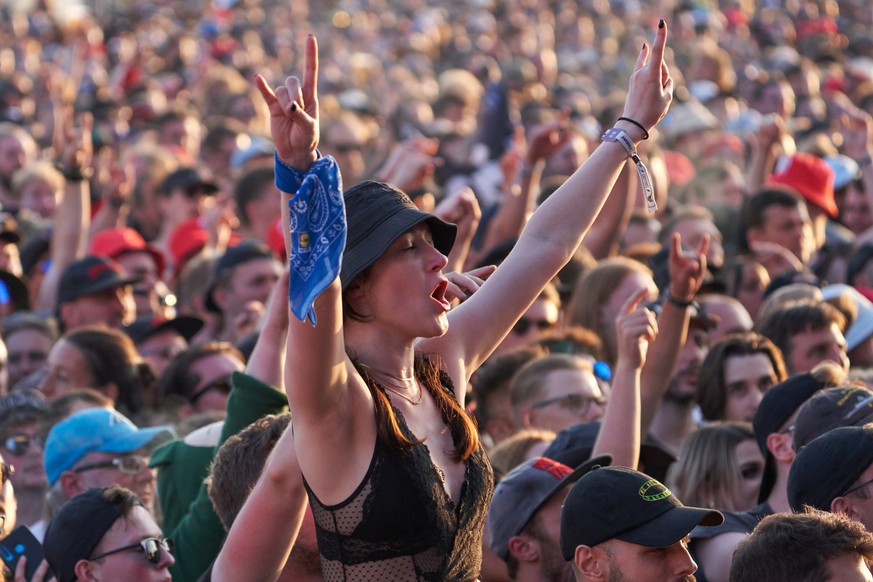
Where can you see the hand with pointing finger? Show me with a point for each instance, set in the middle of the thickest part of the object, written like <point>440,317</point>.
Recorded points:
<point>635,327</point>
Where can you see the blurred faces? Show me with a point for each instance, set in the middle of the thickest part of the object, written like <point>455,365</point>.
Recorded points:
<point>750,464</point>
<point>129,470</point>
<point>111,308</point>
<point>143,266</point>
<point>810,348</point>
<point>746,378</point>
<point>23,449</point>
<point>12,158</point>
<point>788,226</point>
<point>568,397</point>
<point>634,563</point>
<point>214,384</point>
<point>683,385</point>
<point>855,210</point>
<point>40,197</point>
<point>159,349</point>
<point>541,316</point>
<point>67,371</point>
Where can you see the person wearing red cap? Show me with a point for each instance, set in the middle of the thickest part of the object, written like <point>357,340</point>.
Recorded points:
<point>139,259</point>
<point>812,178</point>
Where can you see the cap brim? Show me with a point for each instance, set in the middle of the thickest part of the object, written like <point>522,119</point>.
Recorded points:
<point>671,526</point>
<point>137,440</point>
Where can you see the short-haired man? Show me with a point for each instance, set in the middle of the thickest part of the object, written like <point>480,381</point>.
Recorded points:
<point>99,447</point>
<point>834,472</point>
<point>555,392</point>
<point>244,274</point>
<point>257,201</point>
<point>620,524</point>
<point>525,517</point>
<point>808,333</point>
<point>138,259</point>
<point>814,546</point>
<point>95,291</point>
<point>778,216</point>
<point>106,534</point>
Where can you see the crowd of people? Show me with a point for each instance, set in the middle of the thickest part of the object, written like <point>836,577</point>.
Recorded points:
<point>492,290</point>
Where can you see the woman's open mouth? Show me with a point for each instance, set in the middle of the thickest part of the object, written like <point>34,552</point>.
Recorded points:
<point>439,295</point>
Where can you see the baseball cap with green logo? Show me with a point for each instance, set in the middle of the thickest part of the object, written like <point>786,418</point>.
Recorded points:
<point>620,503</point>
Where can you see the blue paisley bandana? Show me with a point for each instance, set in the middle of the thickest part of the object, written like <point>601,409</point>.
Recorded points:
<point>318,230</point>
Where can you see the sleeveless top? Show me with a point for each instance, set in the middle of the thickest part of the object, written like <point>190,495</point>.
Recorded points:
<point>401,524</point>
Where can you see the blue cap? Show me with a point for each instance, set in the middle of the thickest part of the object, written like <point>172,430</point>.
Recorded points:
<point>95,430</point>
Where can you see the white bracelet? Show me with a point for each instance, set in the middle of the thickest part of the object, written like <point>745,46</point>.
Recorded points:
<point>618,135</point>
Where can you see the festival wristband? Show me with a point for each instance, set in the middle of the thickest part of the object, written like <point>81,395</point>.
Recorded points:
<point>621,136</point>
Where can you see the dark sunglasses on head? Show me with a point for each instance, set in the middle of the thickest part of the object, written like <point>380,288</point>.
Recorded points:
<point>524,324</point>
<point>18,444</point>
<point>151,547</point>
<point>221,383</point>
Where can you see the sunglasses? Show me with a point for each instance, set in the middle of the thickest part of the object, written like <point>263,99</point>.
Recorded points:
<point>857,487</point>
<point>18,444</point>
<point>129,465</point>
<point>576,403</point>
<point>221,383</point>
<point>151,547</point>
<point>523,325</point>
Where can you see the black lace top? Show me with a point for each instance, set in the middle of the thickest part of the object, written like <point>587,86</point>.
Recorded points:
<point>401,524</point>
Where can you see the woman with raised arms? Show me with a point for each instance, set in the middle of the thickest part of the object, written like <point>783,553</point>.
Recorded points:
<point>398,481</point>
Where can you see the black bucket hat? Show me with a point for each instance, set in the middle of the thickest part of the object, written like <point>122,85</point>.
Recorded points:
<point>376,214</point>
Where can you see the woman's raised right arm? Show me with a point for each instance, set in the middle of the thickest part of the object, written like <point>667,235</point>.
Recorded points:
<point>316,369</point>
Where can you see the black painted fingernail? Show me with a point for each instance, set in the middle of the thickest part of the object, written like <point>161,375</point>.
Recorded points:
<point>293,107</point>
<point>661,23</point>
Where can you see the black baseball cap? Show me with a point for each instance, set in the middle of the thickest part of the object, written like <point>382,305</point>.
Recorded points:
<point>146,326</point>
<point>574,445</point>
<point>524,490</point>
<point>248,250</point>
<point>776,407</point>
<point>76,530</point>
<point>91,275</point>
<point>828,466</point>
<point>830,409</point>
<point>190,180</point>
<point>619,503</point>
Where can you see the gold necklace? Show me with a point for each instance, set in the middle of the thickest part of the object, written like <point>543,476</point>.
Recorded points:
<point>399,383</point>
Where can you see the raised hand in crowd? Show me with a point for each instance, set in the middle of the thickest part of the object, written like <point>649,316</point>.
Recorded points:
<point>620,434</point>
<point>294,112</point>
<point>462,210</point>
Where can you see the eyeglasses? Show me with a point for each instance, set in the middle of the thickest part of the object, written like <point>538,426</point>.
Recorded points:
<point>6,471</point>
<point>857,487</point>
<point>18,444</point>
<point>129,465</point>
<point>221,383</point>
<point>576,403</point>
<point>524,324</point>
<point>151,547</point>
